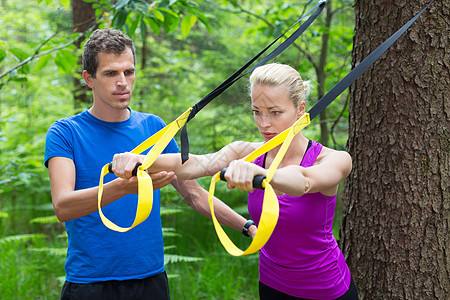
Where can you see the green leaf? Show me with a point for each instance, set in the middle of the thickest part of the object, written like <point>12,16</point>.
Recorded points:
<point>120,18</point>
<point>171,22</point>
<point>143,30</point>
<point>169,12</point>
<point>20,238</point>
<point>66,61</point>
<point>155,26</point>
<point>98,12</point>
<point>187,23</point>
<point>173,258</point>
<point>141,6</point>
<point>50,250</point>
<point>65,3</point>
<point>42,62</point>
<point>170,211</point>
<point>158,15</point>
<point>134,25</point>
<point>2,54</point>
<point>121,4</point>
<point>19,53</point>
<point>45,220</point>
<point>201,17</point>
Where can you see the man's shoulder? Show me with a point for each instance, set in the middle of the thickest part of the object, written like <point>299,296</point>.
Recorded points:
<point>71,119</point>
<point>148,117</point>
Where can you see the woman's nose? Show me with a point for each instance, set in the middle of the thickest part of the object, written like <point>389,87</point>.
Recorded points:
<point>264,121</point>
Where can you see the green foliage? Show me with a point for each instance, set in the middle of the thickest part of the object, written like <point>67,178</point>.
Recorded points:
<point>173,258</point>
<point>45,220</point>
<point>129,15</point>
<point>20,238</point>
<point>28,269</point>
<point>52,251</point>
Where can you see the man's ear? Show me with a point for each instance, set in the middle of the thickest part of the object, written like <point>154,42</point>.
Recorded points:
<point>88,79</point>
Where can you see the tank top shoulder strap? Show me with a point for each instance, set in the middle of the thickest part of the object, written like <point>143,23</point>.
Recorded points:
<point>311,154</point>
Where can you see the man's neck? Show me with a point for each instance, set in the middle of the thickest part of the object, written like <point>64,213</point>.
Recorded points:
<point>110,115</point>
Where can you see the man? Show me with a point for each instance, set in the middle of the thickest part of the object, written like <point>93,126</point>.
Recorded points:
<point>101,263</point>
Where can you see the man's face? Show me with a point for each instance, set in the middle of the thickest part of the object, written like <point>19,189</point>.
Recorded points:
<point>113,83</point>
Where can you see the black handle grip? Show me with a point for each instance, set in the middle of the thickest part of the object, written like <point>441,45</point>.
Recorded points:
<point>133,173</point>
<point>257,180</point>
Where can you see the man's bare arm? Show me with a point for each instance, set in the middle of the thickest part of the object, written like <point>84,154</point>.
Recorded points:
<point>70,204</point>
<point>197,198</point>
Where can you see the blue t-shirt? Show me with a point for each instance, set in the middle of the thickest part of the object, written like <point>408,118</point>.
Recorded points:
<point>96,253</point>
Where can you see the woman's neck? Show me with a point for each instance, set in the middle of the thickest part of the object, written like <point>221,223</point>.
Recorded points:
<point>294,153</point>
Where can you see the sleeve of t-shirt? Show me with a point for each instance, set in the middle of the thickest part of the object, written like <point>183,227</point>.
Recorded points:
<point>58,142</point>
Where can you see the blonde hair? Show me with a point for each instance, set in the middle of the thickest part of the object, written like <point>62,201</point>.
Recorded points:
<point>276,74</point>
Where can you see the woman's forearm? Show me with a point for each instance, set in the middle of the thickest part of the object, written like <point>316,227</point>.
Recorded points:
<point>290,180</point>
<point>193,168</point>
<point>201,165</point>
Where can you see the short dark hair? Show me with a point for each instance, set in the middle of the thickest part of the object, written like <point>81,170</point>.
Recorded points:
<point>107,41</point>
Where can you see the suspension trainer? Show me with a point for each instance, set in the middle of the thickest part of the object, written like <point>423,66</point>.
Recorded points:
<point>270,209</point>
<point>161,139</point>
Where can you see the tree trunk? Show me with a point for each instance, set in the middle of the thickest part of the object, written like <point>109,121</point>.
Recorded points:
<point>396,217</point>
<point>83,17</point>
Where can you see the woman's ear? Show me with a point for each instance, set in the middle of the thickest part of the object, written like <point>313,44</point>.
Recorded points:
<point>301,109</point>
<point>88,79</point>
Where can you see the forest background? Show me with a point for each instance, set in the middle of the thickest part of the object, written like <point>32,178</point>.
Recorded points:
<point>184,50</point>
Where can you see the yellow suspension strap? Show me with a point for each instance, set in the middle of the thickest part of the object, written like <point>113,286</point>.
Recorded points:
<point>159,141</point>
<point>270,208</point>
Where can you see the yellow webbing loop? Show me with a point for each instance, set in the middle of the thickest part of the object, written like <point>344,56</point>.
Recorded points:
<point>159,141</point>
<point>270,208</point>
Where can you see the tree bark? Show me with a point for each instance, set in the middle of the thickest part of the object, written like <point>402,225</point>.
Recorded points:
<point>396,216</point>
<point>83,16</point>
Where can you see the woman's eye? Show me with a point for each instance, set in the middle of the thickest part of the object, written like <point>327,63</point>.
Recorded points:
<point>275,113</point>
<point>255,112</point>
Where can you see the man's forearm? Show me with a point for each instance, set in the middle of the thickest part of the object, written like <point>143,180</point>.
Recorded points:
<point>197,198</point>
<point>76,204</point>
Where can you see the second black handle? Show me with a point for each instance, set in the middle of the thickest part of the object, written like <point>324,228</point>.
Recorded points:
<point>133,173</point>
<point>257,180</point>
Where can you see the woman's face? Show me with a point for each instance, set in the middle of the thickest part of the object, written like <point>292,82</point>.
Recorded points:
<point>273,110</point>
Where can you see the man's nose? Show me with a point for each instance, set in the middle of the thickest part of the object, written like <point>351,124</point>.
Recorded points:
<point>122,81</point>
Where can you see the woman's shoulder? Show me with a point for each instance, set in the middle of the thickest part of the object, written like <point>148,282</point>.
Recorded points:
<point>329,154</point>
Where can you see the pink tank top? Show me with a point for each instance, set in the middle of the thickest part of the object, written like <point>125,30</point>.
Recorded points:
<point>302,257</point>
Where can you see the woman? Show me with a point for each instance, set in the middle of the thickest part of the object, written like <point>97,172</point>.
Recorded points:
<point>301,259</point>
